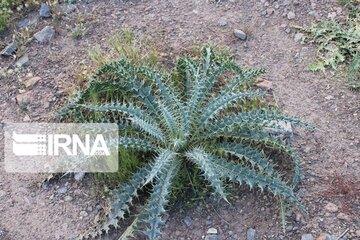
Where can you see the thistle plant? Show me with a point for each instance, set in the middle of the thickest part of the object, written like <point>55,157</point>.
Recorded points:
<point>203,123</point>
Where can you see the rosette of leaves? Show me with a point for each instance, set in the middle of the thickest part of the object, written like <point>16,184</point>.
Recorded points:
<point>199,121</point>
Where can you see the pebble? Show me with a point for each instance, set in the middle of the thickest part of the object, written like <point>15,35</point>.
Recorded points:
<point>212,231</point>
<point>9,49</point>
<point>270,11</point>
<point>357,233</point>
<point>68,199</point>
<point>23,61</point>
<point>45,35</point>
<point>31,82</point>
<point>291,15</point>
<point>240,34</point>
<point>307,237</point>
<point>343,216</point>
<point>222,22</point>
<point>68,8</point>
<point>251,234</point>
<point>331,15</point>
<point>23,23</point>
<point>331,207</point>
<point>62,190</point>
<point>212,237</point>
<point>187,220</point>
<point>325,236</point>
<point>298,37</point>
<point>2,193</point>
<point>83,214</point>
<point>2,232</point>
<point>79,176</point>
<point>265,85</point>
<point>329,97</point>
<point>45,10</point>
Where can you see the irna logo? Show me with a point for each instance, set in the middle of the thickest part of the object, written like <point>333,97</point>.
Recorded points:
<point>56,144</point>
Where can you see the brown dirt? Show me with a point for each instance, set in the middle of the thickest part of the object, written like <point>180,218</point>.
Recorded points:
<point>330,156</point>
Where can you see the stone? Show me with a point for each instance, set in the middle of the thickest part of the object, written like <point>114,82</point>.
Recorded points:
<point>212,237</point>
<point>79,176</point>
<point>31,82</point>
<point>299,37</point>
<point>240,34</point>
<point>68,199</point>
<point>9,50</point>
<point>45,35</point>
<point>212,231</point>
<point>298,58</point>
<point>2,232</point>
<point>270,11</point>
<point>330,207</point>
<point>290,15</point>
<point>62,190</point>
<point>23,23</point>
<point>357,233</point>
<point>25,98</point>
<point>68,8</point>
<point>331,15</point>
<point>222,22</point>
<point>343,216</point>
<point>2,193</point>
<point>45,10</point>
<point>282,128</point>
<point>307,237</point>
<point>251,234</point>
<point>187,220</point>
<point>325,236</point>
<point>265,85</point>
<point>329,97</point>
<point>27,118</point>
<point>83,214</point>
<point>23,61</point>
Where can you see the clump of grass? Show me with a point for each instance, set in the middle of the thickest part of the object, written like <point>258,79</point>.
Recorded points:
<point>338,43</point>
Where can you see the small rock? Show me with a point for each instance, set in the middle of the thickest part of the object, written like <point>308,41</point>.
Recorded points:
<point>62,190</point>
<point>212,237</point>
<point>280,128</point>
<point>79,176</point>
<point>325,236</point>
<point>212,231</point>
<point>287,30</point>
<point>23,61</point>
<point>2,193</point>
<point>26,118</point>
<point>265,85</point>
<point>68,199</point>
<point>45,10</point>
<point>343,216</point>
<point>251,234</point>
<point>187,220</point>
<point>331,15</point>
<point>222,22</point>
<point>270,11</point>
<point>329,97</point>
<point>298,58</point>
<point>45,185</point>
<point>31,82</point>
<point>290,15</point>
<point>276,6</point>
<point>307,237</point>
<point>68,8</point>
<point>9,49</point>
<point>45,35</point>
<point>357,233</point>
<point>23,23</point>
<point>266,4</point>
<point>330,207</point>
<point>26,97</point>
<point>240,34</point>
<point>298,37</point>
<point>83,214</point>
<point>2,232</point>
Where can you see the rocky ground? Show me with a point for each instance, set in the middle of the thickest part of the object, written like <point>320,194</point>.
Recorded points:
<point>33,86</point>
